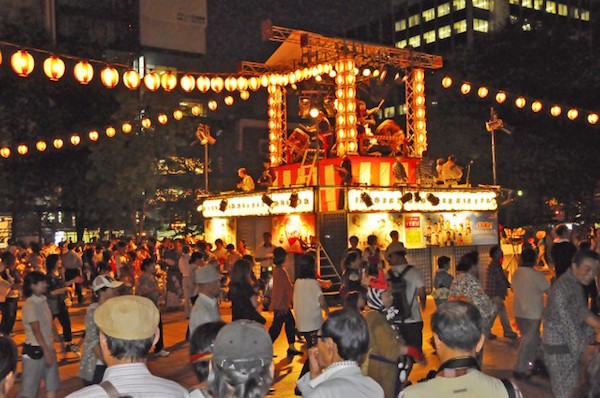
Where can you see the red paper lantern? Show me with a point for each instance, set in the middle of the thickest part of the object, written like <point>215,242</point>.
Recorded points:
<point>22,63</point>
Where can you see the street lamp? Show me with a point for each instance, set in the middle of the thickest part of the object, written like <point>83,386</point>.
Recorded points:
<point>203,135</point>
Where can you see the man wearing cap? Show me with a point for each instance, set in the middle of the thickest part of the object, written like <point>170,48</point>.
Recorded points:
<point>242,360</point>
<point>206,309</point>
<point>128,330</point>
<point>411,328</point>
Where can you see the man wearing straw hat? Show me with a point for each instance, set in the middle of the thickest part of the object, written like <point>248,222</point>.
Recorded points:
<point>128,330</point>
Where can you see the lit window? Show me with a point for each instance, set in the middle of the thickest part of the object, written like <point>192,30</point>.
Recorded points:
<point>517,2</point>
<point>527,3</point>
<point>389,111</point>
<point>429,37</point>
<point>401,44</point>
<point>460,27</point>
<point>562,10</point>
<point>429,15</point>
<point>413,20</point>
<point>538,4</point>
<point>444,32</point>
<point>414,41</point>
<point>459,4</point>
<point>480,25</point>
<point>551,7</point>
<point>585,15</point>
<point>402,109</point>
<point>483,4</point>
<point>400,25</point>
<point>575,12</point>
<point>443,9</point>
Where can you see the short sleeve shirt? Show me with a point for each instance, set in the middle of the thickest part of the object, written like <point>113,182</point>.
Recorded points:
<point>309,316</point>
<point>149,282</point>
<point>414,281</point>
<point>36,309</point>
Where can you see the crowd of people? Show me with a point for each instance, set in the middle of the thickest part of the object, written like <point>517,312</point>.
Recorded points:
<point>366,349</point>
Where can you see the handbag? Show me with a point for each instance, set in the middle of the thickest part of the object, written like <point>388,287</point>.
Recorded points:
<point>32,351</point>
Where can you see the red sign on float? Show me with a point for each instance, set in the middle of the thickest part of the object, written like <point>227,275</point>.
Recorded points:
<point>412,221</point>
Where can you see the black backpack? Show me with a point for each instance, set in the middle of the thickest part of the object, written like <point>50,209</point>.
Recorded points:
<point>399,292</point>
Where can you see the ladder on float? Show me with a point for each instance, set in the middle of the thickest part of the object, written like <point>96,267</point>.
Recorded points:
<point>328,271</point>
<point>311,164</point>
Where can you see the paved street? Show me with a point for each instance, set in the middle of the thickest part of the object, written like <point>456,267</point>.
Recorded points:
<point>499,357</point>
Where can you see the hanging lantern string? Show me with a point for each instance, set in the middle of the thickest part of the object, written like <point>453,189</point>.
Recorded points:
<point>93,135</point>
<point>264,79</point>
<point>520,101</point>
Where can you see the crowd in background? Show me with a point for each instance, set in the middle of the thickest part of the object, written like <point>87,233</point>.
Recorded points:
<point>367,349</point>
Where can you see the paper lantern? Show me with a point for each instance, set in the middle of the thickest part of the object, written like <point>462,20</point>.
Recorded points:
<point>22,63</point>
<point>242,83</point>
<point>109,77</point>
<point>162,118</point>
<point>555,111</point>
<point>40,146</point>
<point>254,83</point>
<point>168,81</point>
<point>0,57</point>
<point>196,110</point>
<point>84,72</point>
<point>212,105</point>
<point>230,83</point>
<point>178,114</point>
<point>500,97</point>
<point>465,88</point>
<point>152,81</point>
<point>482,92</point>
<point>131,79</point>
<point>58,143</point>
<point>228,100</point>
<point>75,140</point>
<point>126,127</point>
<point>447,82</point>
<point>94,135</point>
<point>110,132</point>
<point>536,106</point>
<point>520,102</point>
<point>146,123</point>
<point>54,68</point>
<point>592,118</point>
<point>203,84</point>
<point>187,83</point>
<point>264,80</point>
<point>5,152</point>
<point>573,114</point>
<point>244,95</point>
<point>22,149</point>
<point>216,83</point>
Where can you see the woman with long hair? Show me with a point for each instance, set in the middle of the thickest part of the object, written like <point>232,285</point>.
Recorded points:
<point>242,294</point>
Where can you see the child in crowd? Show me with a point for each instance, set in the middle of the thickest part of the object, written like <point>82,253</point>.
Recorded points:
<point>442,281</point>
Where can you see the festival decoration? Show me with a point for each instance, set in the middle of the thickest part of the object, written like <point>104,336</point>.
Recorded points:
<point>54,68</point>
<point>83,72</point>
<point>22,63</point>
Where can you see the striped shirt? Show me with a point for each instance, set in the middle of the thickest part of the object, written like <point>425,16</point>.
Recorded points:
<point>136,381</point>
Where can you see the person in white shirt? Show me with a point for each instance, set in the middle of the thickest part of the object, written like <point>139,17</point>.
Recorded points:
<point>411,327</point>
<point>247,182</point>
<point>220,253</point>
<point>309,302</point>
<point>206,308</point>
<point>458,336</point>
<point>128,330</point>
<point>39,357</point>
<point>529,286</point>
<point>334,370</point>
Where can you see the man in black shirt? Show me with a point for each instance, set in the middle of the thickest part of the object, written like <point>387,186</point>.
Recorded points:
<point>562,251</point>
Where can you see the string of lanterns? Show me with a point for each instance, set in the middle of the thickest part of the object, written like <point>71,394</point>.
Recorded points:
<point>94,135</point>
<point>521,102</point>
<point>23,64</point>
